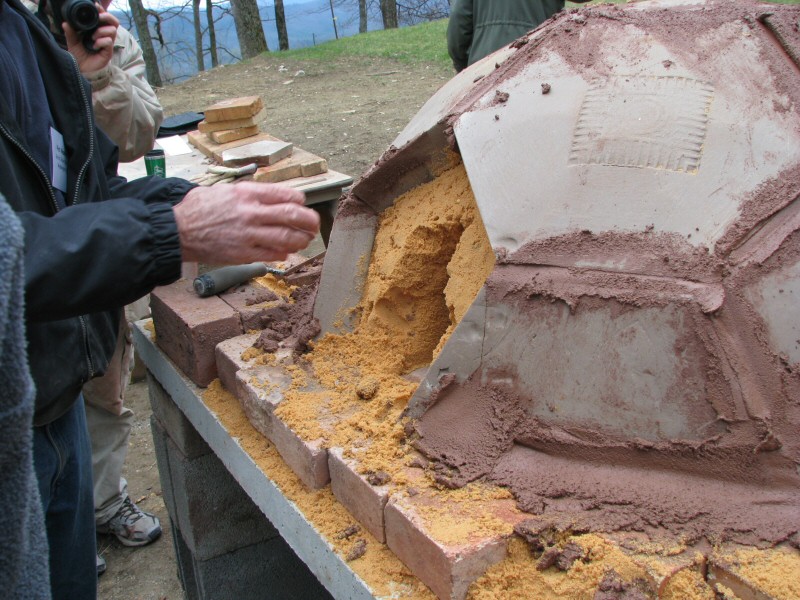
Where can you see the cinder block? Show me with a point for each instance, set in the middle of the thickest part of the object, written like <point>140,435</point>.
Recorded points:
<point>215,516</point>
<point>188,328</point>
<point>179,429</point>
<point>185,564</point>
<point>252,302</point>
<point>162,460</point>
<point>447,566</point>
<point>365,501</point>
<point>229,359</point>
<point>268,569</point>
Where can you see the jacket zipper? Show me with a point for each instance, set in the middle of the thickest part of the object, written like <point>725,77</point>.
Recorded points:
<point>82,172</point>
<point>52,196</point>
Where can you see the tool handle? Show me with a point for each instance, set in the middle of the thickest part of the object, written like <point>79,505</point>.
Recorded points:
<point>219,280</point>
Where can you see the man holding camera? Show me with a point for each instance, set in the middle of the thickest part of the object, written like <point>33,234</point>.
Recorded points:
<point>93,243</point>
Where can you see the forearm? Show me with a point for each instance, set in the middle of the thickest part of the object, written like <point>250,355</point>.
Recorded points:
<point>97,256</point>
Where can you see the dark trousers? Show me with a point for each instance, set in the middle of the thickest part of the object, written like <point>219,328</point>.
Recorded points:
<point>62,456</point>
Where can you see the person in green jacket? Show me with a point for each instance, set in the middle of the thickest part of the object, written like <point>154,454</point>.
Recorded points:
<point>479,27</point>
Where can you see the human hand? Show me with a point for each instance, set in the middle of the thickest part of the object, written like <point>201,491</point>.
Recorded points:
<point>243,223</point>
<point>103,37</point>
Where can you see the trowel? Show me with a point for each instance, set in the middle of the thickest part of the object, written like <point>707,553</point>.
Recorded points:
<point>217,281</point>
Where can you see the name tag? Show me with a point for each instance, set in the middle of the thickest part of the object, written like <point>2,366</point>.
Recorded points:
<point>58,158</point>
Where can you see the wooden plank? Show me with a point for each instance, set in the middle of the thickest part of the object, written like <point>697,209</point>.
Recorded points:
<point>299,164</point>
<point>206,127</point>
<point>214,151</point>
<point>234,108</point>
<point>230,135</point>
<point>262,153</point>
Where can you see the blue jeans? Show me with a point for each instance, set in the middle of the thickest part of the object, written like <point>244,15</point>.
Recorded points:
<point>62,456</point>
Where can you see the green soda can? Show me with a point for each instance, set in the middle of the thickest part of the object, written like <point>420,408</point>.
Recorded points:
<point>155,163</point>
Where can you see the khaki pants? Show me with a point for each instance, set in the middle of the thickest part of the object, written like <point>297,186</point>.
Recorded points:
<point>109,421</point>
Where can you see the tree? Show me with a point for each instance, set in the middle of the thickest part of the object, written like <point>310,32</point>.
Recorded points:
<point>389,13</point>
<point>249,30</point>
<point>280,23</point>
<point>146,43</point>
<point>212,33</point>
<point>198,35</point>
<point>362,16</point>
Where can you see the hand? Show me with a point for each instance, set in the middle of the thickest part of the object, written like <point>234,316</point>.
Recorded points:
<point>104,37</point>
<point>243,222</point>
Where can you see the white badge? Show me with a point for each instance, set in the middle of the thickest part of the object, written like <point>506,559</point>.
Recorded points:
<point>58,158</point>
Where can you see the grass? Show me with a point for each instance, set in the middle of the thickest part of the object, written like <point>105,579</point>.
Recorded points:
<point>423,43</point>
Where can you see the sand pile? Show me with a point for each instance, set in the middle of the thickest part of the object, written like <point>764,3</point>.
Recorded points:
<point>430,258</point>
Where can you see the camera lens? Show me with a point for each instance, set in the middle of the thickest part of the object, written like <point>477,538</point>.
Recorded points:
<point>82,15</point>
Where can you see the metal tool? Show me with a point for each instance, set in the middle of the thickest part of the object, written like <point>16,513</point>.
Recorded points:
<point>219,280</point>
<point>297,267</point>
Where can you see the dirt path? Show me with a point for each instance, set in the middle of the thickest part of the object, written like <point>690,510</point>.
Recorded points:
<point>347,112</point>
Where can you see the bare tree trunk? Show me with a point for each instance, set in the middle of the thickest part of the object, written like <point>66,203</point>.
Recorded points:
<point>212,34</point>
<point>249,30</point>
<point>389,13</point>
<point>333,17</point>
<point>146,43</point>
<point>198,35</point>
<point>362,16</point>
<point>280,23</point>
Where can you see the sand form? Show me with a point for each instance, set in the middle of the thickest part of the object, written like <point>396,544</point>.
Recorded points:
<point>431,257</point>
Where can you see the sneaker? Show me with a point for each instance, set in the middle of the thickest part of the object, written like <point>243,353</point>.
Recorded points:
<point>132,526</point>
<point>101,565</point>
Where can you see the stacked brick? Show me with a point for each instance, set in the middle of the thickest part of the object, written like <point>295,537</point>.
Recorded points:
<point>233,119</point>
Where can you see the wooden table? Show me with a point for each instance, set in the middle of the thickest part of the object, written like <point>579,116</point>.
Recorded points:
<point>322,191</point>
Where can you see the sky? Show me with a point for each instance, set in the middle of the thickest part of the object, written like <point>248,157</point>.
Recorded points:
<point>123,4</point>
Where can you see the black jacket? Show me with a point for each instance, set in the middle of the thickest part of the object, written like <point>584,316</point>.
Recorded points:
<point>84,262</point>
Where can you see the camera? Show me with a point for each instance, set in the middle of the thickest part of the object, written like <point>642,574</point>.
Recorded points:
<point>81,15</point>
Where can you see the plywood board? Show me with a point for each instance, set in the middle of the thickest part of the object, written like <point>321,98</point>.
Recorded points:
<point>299,164</point>
<point>234,108</point>
<point>206,127</point>
<point>214,151</point>
<point>230,135</point>
<point>262,153</point>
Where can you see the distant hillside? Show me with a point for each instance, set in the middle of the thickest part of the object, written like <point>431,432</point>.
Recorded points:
<point>308,23</point>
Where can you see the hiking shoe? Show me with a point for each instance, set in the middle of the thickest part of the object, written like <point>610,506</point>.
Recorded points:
<point>132,526</point>
<point>101,565</point>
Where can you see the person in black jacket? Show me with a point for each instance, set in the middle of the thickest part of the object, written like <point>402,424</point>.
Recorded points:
<point>93,243</point>
<point>479,27</point>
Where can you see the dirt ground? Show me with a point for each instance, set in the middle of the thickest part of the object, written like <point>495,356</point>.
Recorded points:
<point>347,112</point>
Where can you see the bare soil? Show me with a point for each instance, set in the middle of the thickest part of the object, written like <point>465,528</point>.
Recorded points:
<point>348,112</point>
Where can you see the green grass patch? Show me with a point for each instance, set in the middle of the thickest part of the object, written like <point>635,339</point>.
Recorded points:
<point>425,43</point>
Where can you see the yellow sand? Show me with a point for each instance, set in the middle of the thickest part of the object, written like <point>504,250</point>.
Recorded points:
<point>430,258</point>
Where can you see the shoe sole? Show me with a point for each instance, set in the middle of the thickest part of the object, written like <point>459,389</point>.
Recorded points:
<point>154,535</point>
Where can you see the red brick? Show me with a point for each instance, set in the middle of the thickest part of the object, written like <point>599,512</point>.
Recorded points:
<point>259,390</point>
<point>366,502</point>
<point>229,359</point>
<point>309,460</point>
<point>188,328</point>
<point>253,303</point>
<point>447,566</point>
